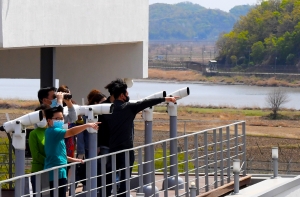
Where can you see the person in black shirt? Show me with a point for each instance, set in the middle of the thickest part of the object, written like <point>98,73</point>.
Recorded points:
<point>120,124</point>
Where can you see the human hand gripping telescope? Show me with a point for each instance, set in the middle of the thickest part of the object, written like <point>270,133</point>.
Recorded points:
<point>181,93</point>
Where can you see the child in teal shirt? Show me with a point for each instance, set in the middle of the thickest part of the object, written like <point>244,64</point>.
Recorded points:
<point>55,147</point>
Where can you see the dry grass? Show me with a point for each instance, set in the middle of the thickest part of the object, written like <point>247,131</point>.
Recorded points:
<point>174,75</point>
<point>18,104</point>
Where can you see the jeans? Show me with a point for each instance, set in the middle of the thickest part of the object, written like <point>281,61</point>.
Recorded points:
<point>32,180</point>
<point>103,151</point>
<point>120,164</point>
<point>62,190</point>
<point>83,142</point>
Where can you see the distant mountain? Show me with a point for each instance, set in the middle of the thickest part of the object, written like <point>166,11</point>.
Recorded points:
<point>187,21</point>
<point>240,10</point>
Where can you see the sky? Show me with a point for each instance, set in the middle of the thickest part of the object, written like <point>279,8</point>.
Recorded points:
<point>224,5</point>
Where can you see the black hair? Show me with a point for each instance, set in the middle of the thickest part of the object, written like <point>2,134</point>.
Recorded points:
<point>42,107</point>
<point>43,93</point>
<point>119,88</point>
<point>49,113</point>
<point>112,84</point>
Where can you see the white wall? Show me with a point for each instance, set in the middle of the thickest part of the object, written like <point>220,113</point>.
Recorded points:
<point>34,23</point>
<point>81,68</point>
<point>86,68</point>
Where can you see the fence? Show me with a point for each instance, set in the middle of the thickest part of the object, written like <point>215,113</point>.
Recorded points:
<point>206,159</point>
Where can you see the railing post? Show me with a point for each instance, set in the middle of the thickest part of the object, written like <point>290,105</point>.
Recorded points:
<point>193,190</point>
<point>88,181</point>
<point>93,151</point>
<point>275,162</point>
<point>72,187</point>
<point>38,184</point>
<point>221,156</point>
<point>206,162</point>
<point>244,149</point>
<point>140,170</point>
<point>236,141</point>
<point>186,166</point>
<point>215,158</point>
<point>196,162</point>
<point>236,172</point>
<point>174,181</point>
<point>165,184</point>
<point>20,170</point>
<point>104,174</point>
<point>149,155</point>
<point>127,173</point>
<point>228,153</point>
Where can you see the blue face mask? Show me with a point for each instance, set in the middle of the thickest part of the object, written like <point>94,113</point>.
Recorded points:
<point>58,123</point>
<point>53,103</point>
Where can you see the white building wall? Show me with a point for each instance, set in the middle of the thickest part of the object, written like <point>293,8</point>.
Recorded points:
<point>81,68</point>
<point>34,23</point>
<point>96,66</point>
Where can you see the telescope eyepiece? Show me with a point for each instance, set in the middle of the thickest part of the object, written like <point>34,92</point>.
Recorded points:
<point>2,128</point>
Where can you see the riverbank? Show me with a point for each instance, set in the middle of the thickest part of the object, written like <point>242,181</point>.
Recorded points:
<point>190,76</point>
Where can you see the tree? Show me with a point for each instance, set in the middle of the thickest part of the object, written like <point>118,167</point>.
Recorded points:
<point>275,100</point>
<point>258,50</point>
<point>233,59</point>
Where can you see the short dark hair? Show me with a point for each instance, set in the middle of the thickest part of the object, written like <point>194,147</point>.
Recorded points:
<point>43,93</point>
<point>118,89</point>
<point>49,113</point>
<point>112,84</point>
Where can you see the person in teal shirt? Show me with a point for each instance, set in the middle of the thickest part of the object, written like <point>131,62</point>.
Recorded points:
<point>55,147</point>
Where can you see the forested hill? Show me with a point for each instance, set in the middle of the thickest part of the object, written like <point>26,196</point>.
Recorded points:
<point>268,35</point>
<point>188,21</point>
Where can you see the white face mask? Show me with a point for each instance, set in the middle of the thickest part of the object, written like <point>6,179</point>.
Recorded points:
<point>42,124</point>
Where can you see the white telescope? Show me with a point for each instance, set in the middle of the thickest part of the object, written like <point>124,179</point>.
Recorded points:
<point>98,109</point>
<point>181,93</point>
<point>15,126</point>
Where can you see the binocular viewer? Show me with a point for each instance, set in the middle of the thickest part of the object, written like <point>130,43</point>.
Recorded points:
<point>26,120</point>
<point>16,126</point>
<point>98,109</point>
<point>181,93</point>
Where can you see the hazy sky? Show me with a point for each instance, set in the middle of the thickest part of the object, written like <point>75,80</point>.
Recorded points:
<point>225,5</point>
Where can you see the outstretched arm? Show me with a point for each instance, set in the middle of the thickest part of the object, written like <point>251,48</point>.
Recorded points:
<point>139,106</point>
<point>78,129</point>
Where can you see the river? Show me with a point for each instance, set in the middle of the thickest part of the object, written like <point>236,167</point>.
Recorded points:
<point>201,94</point>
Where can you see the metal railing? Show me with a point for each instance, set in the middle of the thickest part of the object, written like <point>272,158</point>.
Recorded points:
<point>206,160</point>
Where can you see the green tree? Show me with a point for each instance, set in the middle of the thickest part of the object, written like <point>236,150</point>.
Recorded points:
<point>272,29</point>
<point>290,59</point>
<point>233,60</point>
<point>257,52</point>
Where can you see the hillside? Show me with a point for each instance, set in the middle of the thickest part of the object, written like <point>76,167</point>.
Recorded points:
<point>188,21</point>
<point>268,35</point>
